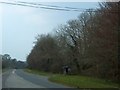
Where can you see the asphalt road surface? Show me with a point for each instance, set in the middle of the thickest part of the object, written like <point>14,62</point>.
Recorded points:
<point>17,78</point>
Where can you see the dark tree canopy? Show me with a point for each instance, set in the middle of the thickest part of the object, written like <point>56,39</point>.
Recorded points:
<point>87,44</point>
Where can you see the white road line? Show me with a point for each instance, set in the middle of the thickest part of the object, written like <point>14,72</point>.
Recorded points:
<point>15,81</point>
<point>14,71</point>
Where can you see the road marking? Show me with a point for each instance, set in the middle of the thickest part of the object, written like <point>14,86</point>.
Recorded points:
<point>16,81</point>
<point>13,71</point>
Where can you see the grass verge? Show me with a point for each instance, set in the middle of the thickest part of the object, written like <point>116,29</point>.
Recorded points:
<point>38,72</point>
<point>76,81</point>
<point>82,81</point>
<point>4,70</point>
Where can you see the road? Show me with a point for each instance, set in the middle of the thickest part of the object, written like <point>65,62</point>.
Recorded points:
<point>17,78</point>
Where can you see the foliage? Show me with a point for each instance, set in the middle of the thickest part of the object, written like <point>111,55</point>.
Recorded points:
<point>87,44</point>
<point>8,62</point>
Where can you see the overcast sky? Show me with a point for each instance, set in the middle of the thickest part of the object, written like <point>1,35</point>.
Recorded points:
<point>20,25</point>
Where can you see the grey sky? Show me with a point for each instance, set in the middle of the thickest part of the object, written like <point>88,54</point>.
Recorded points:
<point>21,24</point>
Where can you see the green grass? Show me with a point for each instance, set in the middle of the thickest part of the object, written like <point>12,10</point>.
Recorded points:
<point>82,81</point>
<point>4,70</point>
<point>77,81</point>
<point>38,72</point>
<point>0,71</point>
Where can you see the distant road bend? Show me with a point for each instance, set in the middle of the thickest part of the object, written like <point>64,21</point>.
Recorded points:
<point>17,78</point>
